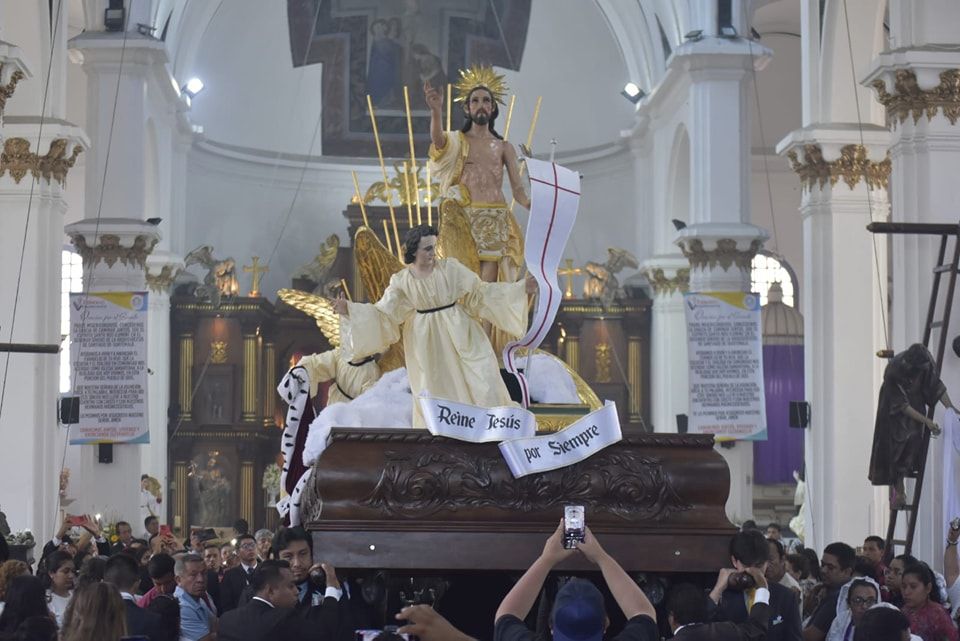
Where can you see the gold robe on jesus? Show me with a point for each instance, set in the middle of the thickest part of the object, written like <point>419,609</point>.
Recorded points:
<point>349,378</point>
<point>447,353</point>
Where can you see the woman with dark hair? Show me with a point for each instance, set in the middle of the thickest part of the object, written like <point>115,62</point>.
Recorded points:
<point>923,605</point>
<point>91,570</point>
<point>96,613</point>
<point>883,623</point>
<point>59,579</point>
<point>856,597</point>
<point>25,598</point>
<point>434,305</point>
<point>10,570</point>
<point>42,628</point>
<point>892,577</point>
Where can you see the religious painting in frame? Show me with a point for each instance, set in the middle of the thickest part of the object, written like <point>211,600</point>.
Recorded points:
<point>213,473</point>
<point>377,48</point>
<point>213,402</point>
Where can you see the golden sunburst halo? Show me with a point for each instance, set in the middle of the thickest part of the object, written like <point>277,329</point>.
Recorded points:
<point>481,76</point>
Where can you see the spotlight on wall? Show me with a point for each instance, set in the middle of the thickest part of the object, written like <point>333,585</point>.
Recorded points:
<point>633,92</point>
<point>193,87</point>
<point>728,31</point>
<point>696,34</point>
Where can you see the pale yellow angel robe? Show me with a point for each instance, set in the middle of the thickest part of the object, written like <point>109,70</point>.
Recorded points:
<point>349,379</point>
<point>447,353</point>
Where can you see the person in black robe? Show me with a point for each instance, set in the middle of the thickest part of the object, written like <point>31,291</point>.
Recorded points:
<point>910,385</point>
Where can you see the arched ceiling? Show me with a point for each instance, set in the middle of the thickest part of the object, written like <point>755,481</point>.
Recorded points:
<point>255,99</point>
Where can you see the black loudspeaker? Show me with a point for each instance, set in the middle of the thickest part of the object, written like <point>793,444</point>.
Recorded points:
<point>682,420</point>
<point>69,410</point>
<point>799,414</point>
<point>105,453</point>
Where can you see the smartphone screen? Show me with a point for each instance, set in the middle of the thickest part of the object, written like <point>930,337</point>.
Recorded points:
<point>75,520</point>
<point>574,526</point>
<point>370,635</point>
<point>165,530</point>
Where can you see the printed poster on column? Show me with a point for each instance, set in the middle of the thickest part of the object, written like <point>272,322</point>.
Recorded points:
<point>725,350</point>
<point>108,362</point>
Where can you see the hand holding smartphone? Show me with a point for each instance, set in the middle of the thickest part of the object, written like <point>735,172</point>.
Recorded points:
<point>574,526</point>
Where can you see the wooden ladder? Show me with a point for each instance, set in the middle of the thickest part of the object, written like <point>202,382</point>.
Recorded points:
<point>945,232</point>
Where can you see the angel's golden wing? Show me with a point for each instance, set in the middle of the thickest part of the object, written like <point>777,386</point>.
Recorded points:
<point>376,266</point>
<point>456,239</point>
<point>318,308</point>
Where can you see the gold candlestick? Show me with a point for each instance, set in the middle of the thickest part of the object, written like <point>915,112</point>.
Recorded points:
<point>413,155</point>
<point>383,170</point>
<point>356,190</point>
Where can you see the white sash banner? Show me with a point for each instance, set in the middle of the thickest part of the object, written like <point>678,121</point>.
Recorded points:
<point>476,424</point>
<point>554,198</point>
<point>570,445</point>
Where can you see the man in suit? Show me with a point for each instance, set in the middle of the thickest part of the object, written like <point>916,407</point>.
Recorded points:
<point>235,580</point>
<point>732,600</point>
<point>270,613</point>
<point>211,558</point>
<point>687,615</point>
<point>122,571</point>
<point>124,536</point>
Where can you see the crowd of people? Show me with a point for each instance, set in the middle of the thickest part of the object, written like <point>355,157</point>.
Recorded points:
<point>269,586</point>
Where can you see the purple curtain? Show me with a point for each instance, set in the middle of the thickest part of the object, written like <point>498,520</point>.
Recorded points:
<point>775,459</point>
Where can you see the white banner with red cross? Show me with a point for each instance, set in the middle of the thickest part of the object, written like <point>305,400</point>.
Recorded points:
<point>554,198</point>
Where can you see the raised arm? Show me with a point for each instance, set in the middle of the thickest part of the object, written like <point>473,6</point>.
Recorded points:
<point>524,593</point>
<point>513,173</point>
<point>435,102</point>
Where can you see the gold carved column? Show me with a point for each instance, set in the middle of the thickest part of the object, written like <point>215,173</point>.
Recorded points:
<point>246,491</point>
<point>180,497</point>
<point>249,400</point>
<point>635,376</point>
<point>571,351</point>
<point>186,376</point>
<point>270,376</point>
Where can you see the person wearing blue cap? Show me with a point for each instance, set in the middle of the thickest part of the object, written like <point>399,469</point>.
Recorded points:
<point>578,611</point>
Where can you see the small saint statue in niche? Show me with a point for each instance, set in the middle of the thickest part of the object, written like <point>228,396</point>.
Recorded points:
<point>910,386</point>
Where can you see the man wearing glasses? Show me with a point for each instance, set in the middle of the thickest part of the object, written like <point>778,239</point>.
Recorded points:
<point>235,580</point>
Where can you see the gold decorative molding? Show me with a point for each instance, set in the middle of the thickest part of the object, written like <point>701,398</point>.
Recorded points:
<point>17,159</point>
<point>402,188</point>
<point>249,399</point>
<point>909,99</point>
<point>571,350</point>
<point>852,166</point>
<point>6,91</point>
<point>180,496</point>
<point>635,376</point>
<point>109,250</point>
<point>270,374</point>
<point>218,352</point>
<point>603,360</point>
<point>725,254</point>
<point>163,281</point>
<point>661,284</point>
<point>246,491</point>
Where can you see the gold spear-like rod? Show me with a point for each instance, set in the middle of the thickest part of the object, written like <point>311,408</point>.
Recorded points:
<point>429,198</point>
<point>406,193</point>
<point>346,290</point>
<point>386,234</point>
<point>386,183</point>
<point>356,190</point>
<point>506,127</point>
<point>533,127</point>
<point>449,104</point>
<point>413,154</point>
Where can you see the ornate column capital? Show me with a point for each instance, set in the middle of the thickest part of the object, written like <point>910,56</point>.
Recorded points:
<point>823,156</point>
<point>116,249</point>
<point>667,275</point>
<point>162,269</point>
<point>720,254</point>
<point>917,84</point>
<point>12,70</point>
<point>18,160</point>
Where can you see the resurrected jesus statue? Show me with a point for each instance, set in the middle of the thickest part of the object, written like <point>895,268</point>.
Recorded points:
<point>470,163</point>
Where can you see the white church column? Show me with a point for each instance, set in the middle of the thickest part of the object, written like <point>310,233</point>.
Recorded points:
<point>917,84</point>
<point>114,252</point>
<point>669,278</point>
<point>35,164</point>
<point>844,188</point>
<point>717,242</point>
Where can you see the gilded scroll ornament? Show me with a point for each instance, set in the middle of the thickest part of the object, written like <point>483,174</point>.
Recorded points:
<point>6,91</point>
<point>400,190</point>
<point>218,352</point>
<point>662,284</point>
<point>725,254</point>
<point>852,166</point>
<point>908,99</point>
<point>17,159</point>
<point>109,250</point>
